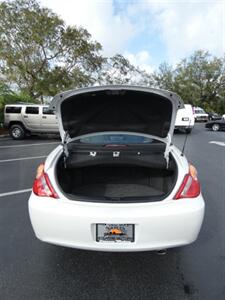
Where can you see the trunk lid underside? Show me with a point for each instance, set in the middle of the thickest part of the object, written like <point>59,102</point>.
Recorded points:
<point>117,108</point>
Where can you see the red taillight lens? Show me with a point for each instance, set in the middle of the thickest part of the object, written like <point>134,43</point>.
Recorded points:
<point>42,186</point>
<point>190,187</point>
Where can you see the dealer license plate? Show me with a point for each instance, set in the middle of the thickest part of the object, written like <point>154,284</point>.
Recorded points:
<point>115,232</point>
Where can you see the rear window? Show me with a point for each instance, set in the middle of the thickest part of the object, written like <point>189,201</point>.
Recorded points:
<point>123,139</point>
<point>199,111</point>
<point>47,111</point>
<point>13,109</point>
<point>32,110</point>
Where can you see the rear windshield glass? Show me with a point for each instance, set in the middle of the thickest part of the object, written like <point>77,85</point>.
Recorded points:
<point>117,139</point>
<point>199,111</point>
<point>13,110</point>
<point>32,110</point>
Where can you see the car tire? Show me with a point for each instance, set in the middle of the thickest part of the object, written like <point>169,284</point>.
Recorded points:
<point>188,130</point>
<point>17,132</point>
<point>215,127</point>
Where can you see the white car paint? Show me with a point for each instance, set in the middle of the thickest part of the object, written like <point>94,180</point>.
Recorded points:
<point>185,118</point>
<point>158,225</point>
<point>161,225</point>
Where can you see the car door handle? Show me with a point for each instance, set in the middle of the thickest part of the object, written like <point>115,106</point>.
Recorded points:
<point>25,116</point>
<point>44,117</point>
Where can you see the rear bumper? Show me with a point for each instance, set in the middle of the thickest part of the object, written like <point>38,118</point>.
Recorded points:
<point>157,225</point>
<point>184,126</point>
<point>201,119</point>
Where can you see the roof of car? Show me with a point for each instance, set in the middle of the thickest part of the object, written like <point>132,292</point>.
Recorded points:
<point>26,104</point>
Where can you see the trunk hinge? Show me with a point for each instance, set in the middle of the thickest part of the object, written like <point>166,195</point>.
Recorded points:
<point>65,147</point>
<point>167,150</point>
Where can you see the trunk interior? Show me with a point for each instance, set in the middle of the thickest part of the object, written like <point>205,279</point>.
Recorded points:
<point>143,181</point>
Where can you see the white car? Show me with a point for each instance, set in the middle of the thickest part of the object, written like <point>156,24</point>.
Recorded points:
<point>116,183</point>
<point>185,119</point>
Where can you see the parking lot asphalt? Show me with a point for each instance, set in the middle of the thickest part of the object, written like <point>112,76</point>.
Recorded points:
<point>30,269</point>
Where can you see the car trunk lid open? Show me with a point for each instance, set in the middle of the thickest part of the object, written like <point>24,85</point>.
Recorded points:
<point>104,172</point>
<point>116,108</point>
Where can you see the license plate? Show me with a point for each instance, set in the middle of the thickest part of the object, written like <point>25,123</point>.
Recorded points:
<point>115,232</point>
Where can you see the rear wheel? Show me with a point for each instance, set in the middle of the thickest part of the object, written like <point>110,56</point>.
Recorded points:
<point>216,127</point>
<point>17,132</point>
<point>188,130</point>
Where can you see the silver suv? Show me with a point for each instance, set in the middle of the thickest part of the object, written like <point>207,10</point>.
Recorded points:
<point>26,119</point>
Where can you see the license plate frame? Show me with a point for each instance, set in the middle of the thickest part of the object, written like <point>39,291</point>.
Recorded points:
<point>114,233</point>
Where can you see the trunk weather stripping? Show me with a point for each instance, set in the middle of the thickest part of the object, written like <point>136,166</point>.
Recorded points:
<point>65,147</point>
<point>167,150</point>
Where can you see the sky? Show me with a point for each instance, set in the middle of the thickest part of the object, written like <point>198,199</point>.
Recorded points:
<point>148,32</point>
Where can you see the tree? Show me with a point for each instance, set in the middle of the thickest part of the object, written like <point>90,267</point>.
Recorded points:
<point>40,54</point>
<point>119,70</point>
<point>164,77</point>
<point>198,79</point>
<point>203,78</point>
<point>7,96</point>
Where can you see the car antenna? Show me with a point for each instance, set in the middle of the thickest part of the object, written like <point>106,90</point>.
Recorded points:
<point>185,141</point>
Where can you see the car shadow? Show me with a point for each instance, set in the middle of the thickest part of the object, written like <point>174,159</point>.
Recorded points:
<point>108,275</point>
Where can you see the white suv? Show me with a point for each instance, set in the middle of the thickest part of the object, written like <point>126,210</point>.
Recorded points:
<point>23,119</point>
<point>200,114</point>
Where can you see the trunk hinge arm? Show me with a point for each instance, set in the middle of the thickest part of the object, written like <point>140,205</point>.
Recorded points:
<point>167,150</point>
<point>65,147</point>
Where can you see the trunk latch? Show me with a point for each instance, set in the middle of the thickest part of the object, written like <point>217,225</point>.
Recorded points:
<point>116,153</point>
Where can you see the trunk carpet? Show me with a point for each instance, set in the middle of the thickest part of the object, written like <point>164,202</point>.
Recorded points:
<point>117,190</point>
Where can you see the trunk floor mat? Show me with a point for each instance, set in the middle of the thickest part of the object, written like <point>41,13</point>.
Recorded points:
<point>117,190</point>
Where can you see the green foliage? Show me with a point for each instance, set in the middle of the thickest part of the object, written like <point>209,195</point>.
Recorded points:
<point>198,79</point>
<point>40,54</point>
<point>118,70</point>
<point>164,77</point>
<point>7,96</point>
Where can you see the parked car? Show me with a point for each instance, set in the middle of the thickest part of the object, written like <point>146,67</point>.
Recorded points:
<point>185,119</point>
<point>216,125</point>
<point>200,115</point>
<point>214,116</point>
<point>27,119</point>
<point>116,183</point>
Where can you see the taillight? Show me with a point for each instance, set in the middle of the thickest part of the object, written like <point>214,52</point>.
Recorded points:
<point>42,186</point>
<point>190,187</point>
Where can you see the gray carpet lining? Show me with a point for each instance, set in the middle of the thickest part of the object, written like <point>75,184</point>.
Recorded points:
<point>118,190</point>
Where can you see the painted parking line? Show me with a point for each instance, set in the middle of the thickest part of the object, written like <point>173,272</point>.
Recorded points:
<point>15,192</point>
<point>217,143</point>
<point>22,158</point>
<point>29,145</point>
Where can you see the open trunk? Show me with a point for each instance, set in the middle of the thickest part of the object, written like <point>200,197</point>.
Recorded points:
<point>124,180</point>
<point>131,171</point>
